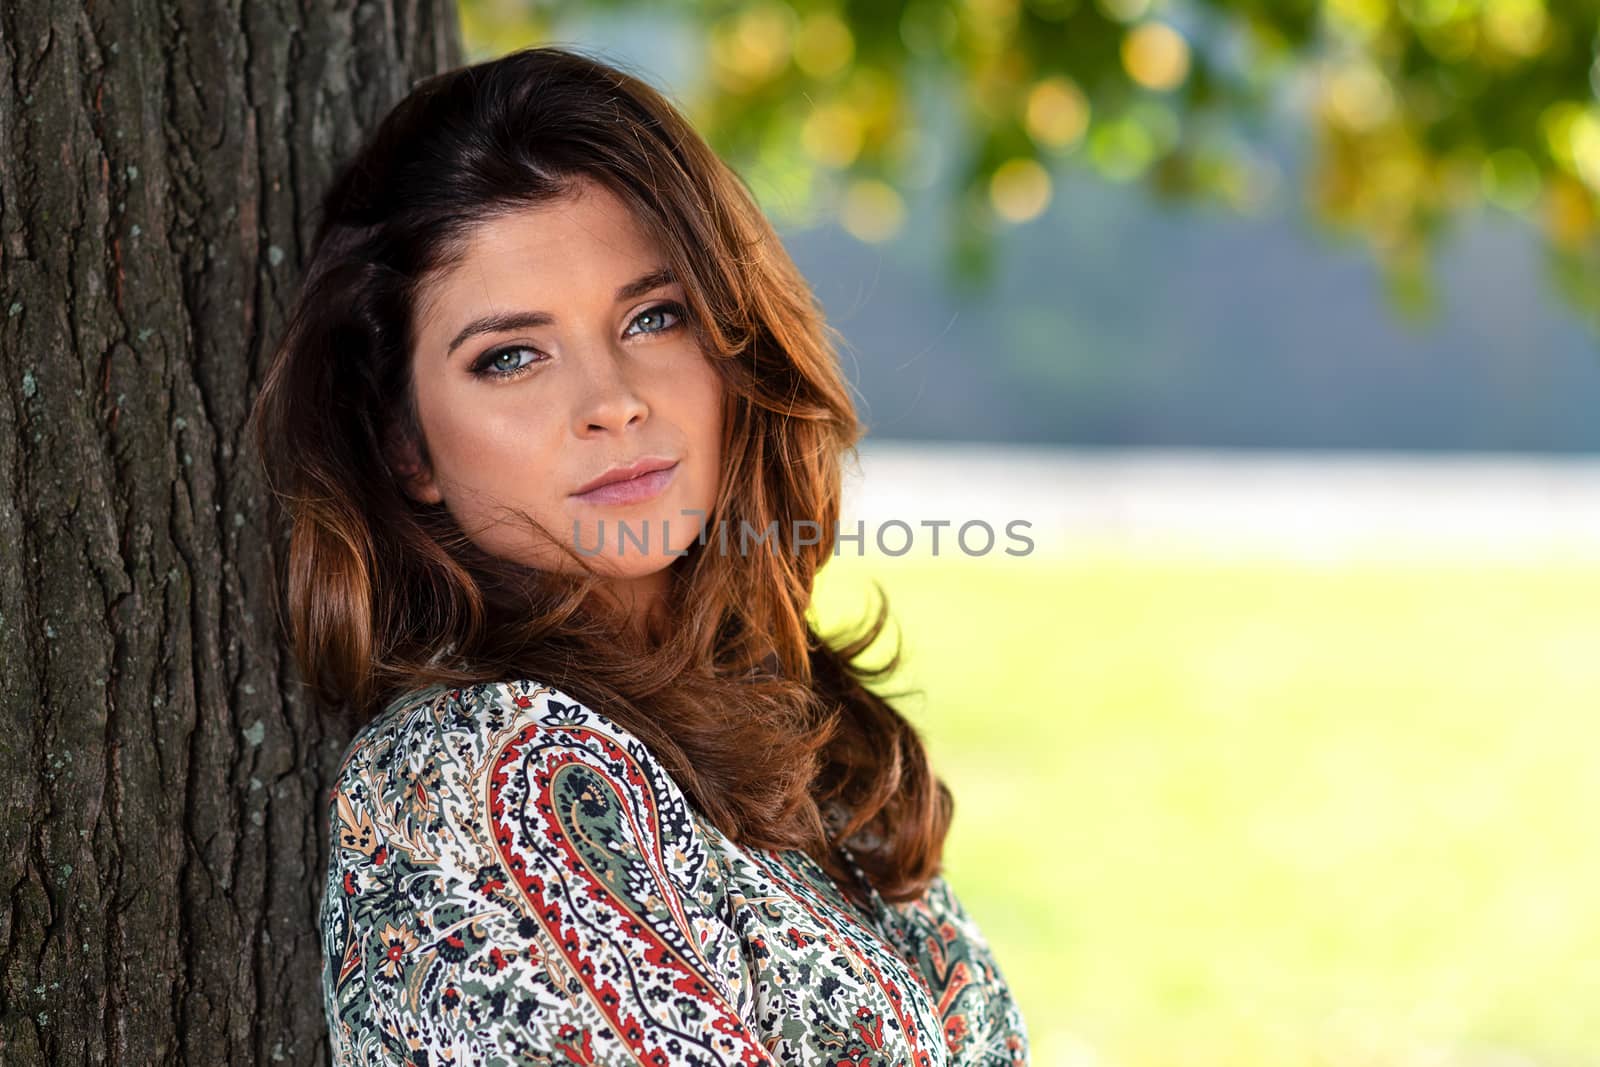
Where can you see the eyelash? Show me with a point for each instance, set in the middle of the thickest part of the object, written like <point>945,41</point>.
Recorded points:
<point>483,367</point>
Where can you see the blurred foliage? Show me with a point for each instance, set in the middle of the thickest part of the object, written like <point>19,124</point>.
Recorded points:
<point>1414,112</point>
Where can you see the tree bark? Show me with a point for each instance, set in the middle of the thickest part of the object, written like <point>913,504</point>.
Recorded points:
<point>162,774</point>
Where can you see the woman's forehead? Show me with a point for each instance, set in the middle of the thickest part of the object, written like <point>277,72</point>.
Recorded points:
<point>589,244</point>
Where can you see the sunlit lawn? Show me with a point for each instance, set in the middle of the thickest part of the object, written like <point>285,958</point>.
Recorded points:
<point>1267,813</point>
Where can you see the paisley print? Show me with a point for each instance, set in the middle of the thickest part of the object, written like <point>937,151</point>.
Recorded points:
<point>514,880</point>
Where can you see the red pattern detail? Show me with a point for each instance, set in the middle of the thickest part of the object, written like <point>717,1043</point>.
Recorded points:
<point>960,978</point>
<point>579,1053</point>
<point>874,1037</point>
<point>722,1016</point>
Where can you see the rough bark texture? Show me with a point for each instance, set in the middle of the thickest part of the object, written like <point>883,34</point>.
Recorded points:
<point>162,776</point>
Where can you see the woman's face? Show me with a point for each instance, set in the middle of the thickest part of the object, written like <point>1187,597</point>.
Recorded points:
<point>553,352</point>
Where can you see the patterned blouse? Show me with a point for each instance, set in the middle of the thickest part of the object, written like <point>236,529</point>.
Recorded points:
<point>515,880</point>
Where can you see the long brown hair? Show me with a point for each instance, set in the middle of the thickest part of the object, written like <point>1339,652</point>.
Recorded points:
<point>770,729</point>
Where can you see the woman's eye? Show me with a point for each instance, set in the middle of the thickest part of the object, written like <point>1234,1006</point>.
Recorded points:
<point>507,362</point>
<point>673,310</point>
<point>504,362</point>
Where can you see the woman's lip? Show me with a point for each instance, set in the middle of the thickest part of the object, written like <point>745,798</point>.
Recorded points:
<point>631,490</point>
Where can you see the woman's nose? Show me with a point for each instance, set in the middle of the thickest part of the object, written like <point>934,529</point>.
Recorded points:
<point>610,399</point>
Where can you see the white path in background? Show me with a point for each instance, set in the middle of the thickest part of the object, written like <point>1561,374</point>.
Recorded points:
<point>1303,505</point>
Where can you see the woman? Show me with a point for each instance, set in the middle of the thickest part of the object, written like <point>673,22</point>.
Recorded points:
<point>559,428</point>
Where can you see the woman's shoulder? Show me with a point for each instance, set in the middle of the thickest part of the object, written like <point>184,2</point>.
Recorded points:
<point>512,869</point>
<point>468,723</point>
<point>448,762</point>
<point>464,777</point>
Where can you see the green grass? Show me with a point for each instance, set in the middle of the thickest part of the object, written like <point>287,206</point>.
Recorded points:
<point>1265,813</point>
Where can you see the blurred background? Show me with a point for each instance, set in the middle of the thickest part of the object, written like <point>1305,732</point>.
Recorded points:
<point>1276,325</point>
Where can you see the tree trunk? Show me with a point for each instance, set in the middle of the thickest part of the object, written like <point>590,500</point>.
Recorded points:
<point>162,774</point>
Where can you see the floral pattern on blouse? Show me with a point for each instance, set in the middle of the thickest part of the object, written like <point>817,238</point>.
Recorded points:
<point>515,880</point>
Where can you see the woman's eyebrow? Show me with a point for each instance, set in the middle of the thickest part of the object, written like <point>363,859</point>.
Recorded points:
<point>519,320</point>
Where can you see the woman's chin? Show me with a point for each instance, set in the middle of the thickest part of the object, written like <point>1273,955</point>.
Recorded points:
<point>636,542</point>
<point>635,566</point>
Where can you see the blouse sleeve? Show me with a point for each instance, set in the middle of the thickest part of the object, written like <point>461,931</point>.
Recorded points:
<point>514,879</point>
<point>982,1021</point>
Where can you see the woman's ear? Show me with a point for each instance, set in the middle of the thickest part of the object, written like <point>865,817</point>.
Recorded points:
<point>413,473</point>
